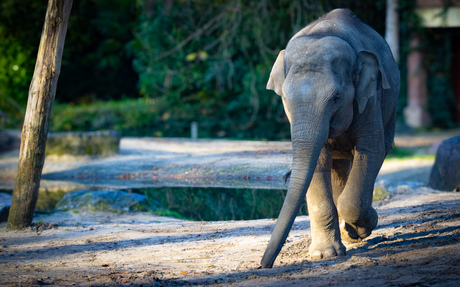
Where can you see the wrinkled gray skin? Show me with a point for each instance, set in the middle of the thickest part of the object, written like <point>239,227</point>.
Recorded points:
<point>339,84</point>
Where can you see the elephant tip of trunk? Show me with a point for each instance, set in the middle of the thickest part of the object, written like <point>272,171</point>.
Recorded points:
<point>267,262</point>
<point>266,265</point>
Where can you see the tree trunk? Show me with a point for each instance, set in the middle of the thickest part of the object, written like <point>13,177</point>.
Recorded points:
<point>392,28</point>
<point>36,122</point>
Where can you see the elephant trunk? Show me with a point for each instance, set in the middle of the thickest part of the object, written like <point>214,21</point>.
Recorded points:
<point>307,147</point>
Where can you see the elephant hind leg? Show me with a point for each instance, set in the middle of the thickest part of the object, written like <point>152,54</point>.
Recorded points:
<point>339,176</point>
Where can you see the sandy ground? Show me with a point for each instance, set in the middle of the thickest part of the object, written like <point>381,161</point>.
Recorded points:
<point>417,243</point>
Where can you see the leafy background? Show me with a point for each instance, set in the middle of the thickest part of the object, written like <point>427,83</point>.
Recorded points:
<point>151,68</point>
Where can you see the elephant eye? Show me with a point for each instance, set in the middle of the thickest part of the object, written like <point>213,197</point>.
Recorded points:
<point>336,98</point>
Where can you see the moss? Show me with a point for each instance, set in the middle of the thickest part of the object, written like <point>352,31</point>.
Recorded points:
<point>47,200</point>
<point>112,201</point>
<point>380,193</point>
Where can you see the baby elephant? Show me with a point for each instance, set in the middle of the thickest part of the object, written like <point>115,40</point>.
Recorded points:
<point>339,84</point>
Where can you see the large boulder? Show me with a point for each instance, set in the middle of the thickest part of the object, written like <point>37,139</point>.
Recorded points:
<point>107,200</point>
<point>445,174</point>
<point>100,143</point>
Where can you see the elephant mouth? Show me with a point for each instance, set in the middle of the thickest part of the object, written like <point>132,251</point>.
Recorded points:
<point>336,154</point>
<point>333,133</point>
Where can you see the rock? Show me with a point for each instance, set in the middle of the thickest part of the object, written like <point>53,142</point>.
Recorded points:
<point>5,203</point>
<point>445,174</point>
<point>101,143</point>
<point>108,200</point>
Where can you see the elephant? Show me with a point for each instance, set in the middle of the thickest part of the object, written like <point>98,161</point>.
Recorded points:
<point>339,85</point>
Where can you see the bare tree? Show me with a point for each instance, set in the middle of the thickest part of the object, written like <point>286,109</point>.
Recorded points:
<point>42,91</point>
<point>392,28</point>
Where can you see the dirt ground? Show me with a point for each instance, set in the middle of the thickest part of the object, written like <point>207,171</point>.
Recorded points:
<point>416,243</point>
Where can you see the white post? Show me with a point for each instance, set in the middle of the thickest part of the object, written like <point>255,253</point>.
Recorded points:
<point>194,130</point>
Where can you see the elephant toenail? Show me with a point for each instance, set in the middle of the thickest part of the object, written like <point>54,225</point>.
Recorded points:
<point>317,255</point>
<point>329,253</point>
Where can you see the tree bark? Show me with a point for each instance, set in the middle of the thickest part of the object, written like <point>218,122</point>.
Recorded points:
<point>42,91</point>
<point>392,28</point>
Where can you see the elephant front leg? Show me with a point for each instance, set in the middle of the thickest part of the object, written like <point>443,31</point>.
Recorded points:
<point>357,216</point>
<point>324,223</point>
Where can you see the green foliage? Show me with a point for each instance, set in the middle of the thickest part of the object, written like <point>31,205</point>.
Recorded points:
<point>410,153</point>
<point>19,39</point>
<point>203,61</point>
<point>209,61</point>
<point>95,64</point>
<point>129,117</point>
<point>140,117</point>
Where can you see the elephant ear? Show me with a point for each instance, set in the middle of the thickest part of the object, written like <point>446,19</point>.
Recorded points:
<point>368,78</point>
<point>276,80</point>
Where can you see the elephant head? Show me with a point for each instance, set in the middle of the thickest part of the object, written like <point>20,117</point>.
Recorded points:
<point>325,84</point>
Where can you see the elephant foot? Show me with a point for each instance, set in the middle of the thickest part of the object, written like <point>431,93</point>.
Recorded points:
<point>357,232</point>
<point>323,250</point>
